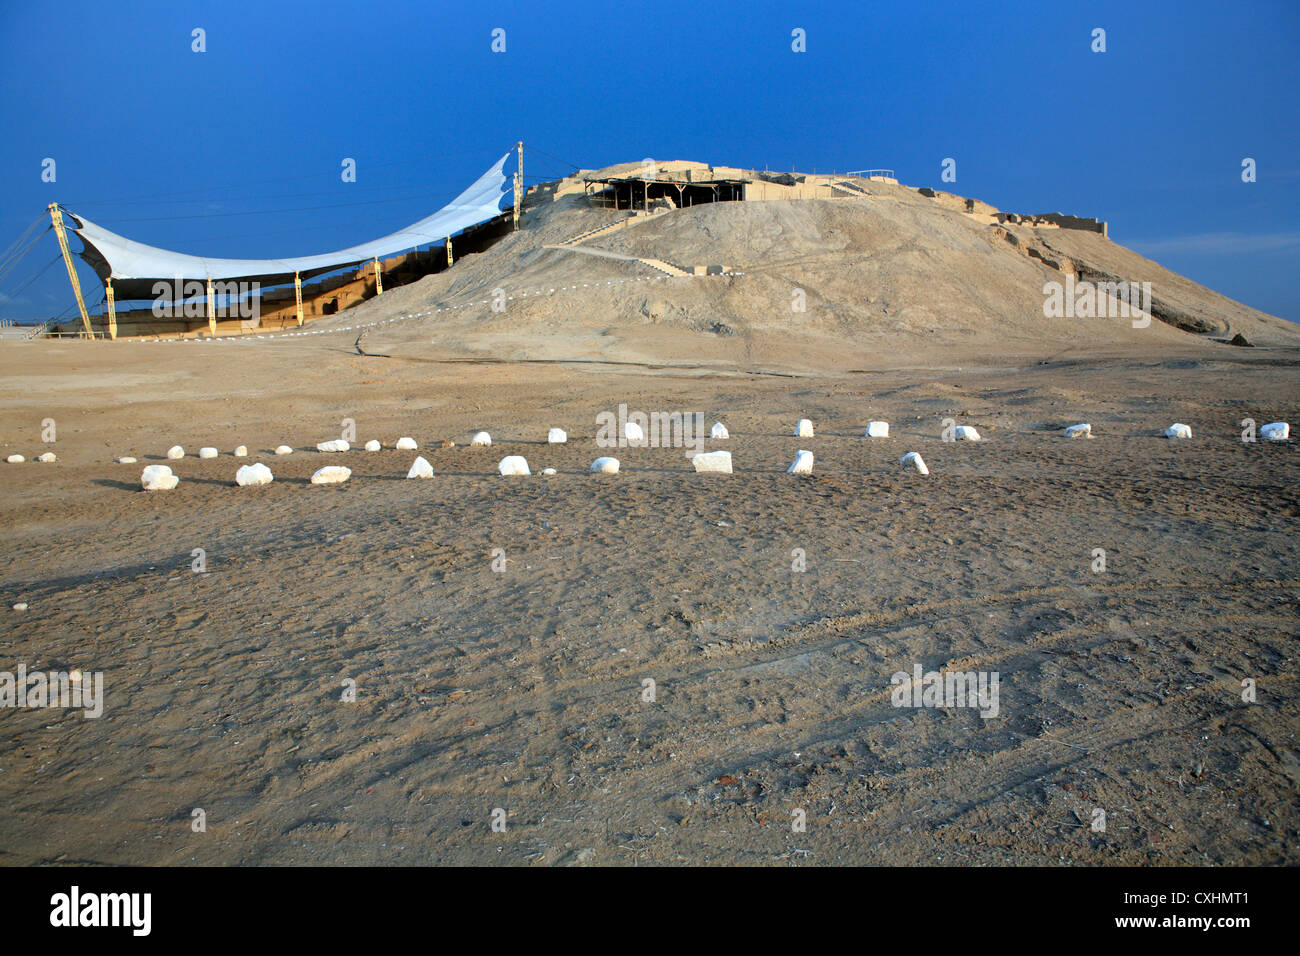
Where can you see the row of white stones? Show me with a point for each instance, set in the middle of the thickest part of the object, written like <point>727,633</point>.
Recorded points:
<point>633,433</point>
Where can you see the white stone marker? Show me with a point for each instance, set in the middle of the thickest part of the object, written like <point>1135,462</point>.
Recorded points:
<point>719,431</point>
<point>556,436</point>
<point>480,439</point>
<point>420,469</point>
<point>513,465</point>
<point>331,475</point>
<point>965,433</point>
<point>406,444</point>
<point>158,478</point>
<point>605,466</point>
<point>1275,431</point>
<point>713,461</point>
<point>257,474</point>
<point>1079,431</point>
<point>1178,430</point>
<point>338,444</point>
<point>803,464</point>
<point>373,445</point>
<point>47,457</point>
<point>877,429</point>
<point>913,460</point>
<point>241,451</point>
<point>207,451</point>
<point>176,451</point>
<point>803,428</point>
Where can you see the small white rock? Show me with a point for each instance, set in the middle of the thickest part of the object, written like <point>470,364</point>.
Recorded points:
<point>241,451</point>
<point>47,457</point>
<point>15,459</point>
<point>513,465</point>
<point>20,606</point>
<point>605,466</point>
<point>480,439</point>
<point>913,460</point>
<point>420,469</point>
<point>548,471</point>
<point>1275,431</point>
<point>257,474</point>
<point>633,434</point>
<point>877,429</point>
<point>1079,431</point>
<point>158,478</point>
<point>965,433</point>
<point>338,444</point>
<point>207,452</point>
<point>803,429</point>
<point>126,460</point>
<point>373,445</point>
<point>718,462</point>
<point>283,450</point>
<point>556,436</point>
<point>1178,430</point>
<point>176,451</point>
<point>406,444</point>
<point>331,475</point>
<point>803,464</point>
<point>719,431</point>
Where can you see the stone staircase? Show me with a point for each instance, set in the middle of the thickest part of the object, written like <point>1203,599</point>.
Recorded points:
<point>598,231</point>
<point>665,267</point>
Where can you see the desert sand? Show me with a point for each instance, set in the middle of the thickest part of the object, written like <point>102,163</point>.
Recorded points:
<point>524,688</point>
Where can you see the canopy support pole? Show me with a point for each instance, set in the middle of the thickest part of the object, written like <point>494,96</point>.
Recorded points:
<point>212,312</point>
<point>449,259</point>
<point>379,279</point>
<point>297,294</point>
<point>56,217</point>
<point>112,308</point>
<point>519,185</point>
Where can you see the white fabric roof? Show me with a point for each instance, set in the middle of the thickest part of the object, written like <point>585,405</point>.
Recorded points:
<point>138,266</point>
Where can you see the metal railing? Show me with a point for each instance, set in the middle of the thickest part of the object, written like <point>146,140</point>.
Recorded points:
<point>869,173</point>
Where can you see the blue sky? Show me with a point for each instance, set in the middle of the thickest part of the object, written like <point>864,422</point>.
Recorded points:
<point>204,152</point>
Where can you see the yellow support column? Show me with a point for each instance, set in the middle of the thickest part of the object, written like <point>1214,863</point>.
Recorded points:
<point>449,258</point>
<point>297,292</point>
<point>379,278</point>
<point>212,312</point>
<point>519,185</point>
<point>112,309</point>
<point>56,217</point>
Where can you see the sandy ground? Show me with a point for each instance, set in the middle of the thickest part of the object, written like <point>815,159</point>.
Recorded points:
<point>523,689</point>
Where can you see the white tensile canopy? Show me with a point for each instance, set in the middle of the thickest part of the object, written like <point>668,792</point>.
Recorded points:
<point>135,267</point>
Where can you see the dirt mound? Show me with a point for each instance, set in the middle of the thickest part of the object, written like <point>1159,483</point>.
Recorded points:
<point>881,276</point>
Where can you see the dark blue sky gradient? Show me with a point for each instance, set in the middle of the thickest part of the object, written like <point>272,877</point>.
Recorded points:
<point>188,151</point>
